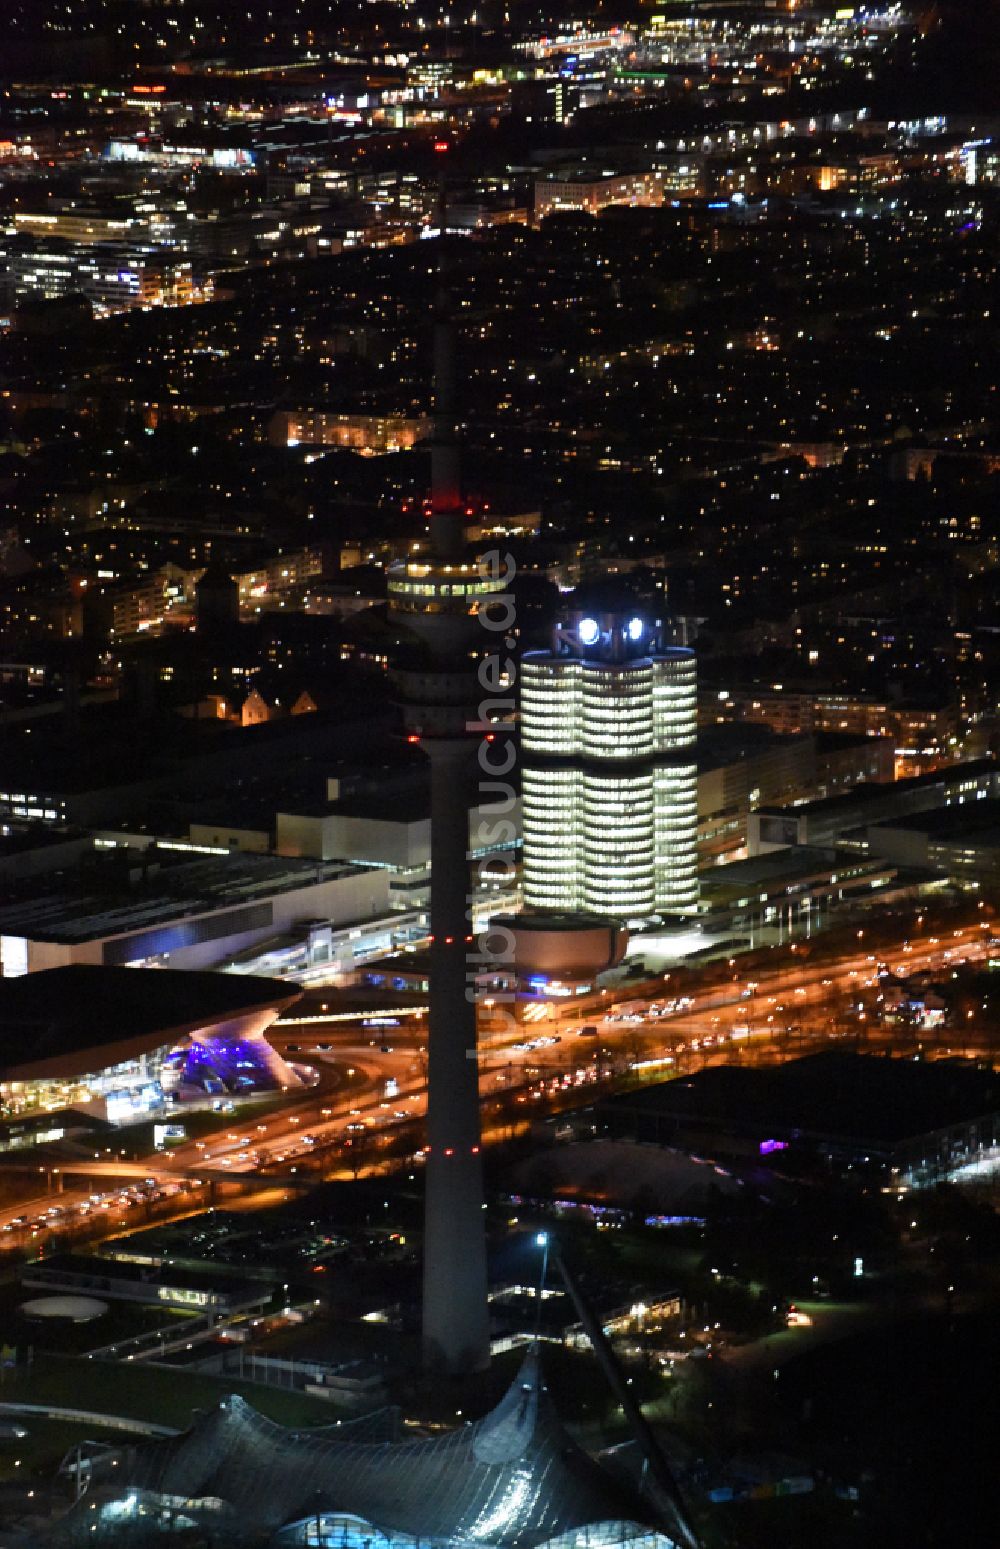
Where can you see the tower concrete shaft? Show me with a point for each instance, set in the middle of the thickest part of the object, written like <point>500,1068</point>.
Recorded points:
<point>436,601</point>
<point>438,689</point>
<point>456,1319</point>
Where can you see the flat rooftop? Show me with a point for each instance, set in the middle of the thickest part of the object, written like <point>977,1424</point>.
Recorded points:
<point>122,889</point>
<point>117,1273</point>
<point>399,963</point>
<point>396,803</point>
<point>737,741</point>
<point>793,868</point>
<point>868,792</point>
<point>866,1098</point>
<point>977,821</point>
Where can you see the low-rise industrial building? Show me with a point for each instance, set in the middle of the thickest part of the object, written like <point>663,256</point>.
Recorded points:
<point>745,766</point>
<point>908,1118</point>
<point>793,891</point>
<point>130,900</point>
<point>957,842</point>
<point>171,1287</point>
<point>849,815</point>
<point>389,829</point>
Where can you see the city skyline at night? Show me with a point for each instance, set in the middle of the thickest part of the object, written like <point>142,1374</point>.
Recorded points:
<point>499,774</point>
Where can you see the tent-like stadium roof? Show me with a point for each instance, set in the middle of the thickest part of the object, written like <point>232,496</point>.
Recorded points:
<point>513,1480</point>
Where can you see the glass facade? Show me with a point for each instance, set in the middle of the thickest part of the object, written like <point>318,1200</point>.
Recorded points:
<point>423,586</point>
<point>609,781</point>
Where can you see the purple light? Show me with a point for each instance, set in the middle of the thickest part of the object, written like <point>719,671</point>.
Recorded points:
<point>767,1146</point>
<point>224,1065</point>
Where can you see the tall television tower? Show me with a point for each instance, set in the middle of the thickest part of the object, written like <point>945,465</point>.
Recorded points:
<point>434,602</point>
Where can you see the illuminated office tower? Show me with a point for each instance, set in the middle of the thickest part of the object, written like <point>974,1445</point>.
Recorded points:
<point>609,781</point>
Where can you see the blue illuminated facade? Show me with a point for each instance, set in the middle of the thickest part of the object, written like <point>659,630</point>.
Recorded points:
<point>219,1064</point>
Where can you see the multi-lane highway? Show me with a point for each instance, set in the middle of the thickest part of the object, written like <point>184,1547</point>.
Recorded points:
<point>370,1081</point>
<point>769,1005</point>
<point>106,1193</point>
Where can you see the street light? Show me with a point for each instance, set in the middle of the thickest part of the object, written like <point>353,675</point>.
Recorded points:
<point>541,1241</point>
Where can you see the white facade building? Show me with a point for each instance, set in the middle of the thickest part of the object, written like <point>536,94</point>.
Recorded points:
<point>172,904</point>
<point>609,781</point>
